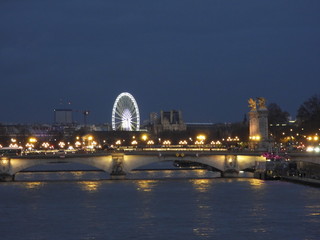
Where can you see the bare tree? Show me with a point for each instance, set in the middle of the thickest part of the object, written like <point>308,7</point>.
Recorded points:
<point>309,114</point>
<point>276,115</point>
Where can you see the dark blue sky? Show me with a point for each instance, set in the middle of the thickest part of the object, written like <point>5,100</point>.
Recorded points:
<point>204,57</point>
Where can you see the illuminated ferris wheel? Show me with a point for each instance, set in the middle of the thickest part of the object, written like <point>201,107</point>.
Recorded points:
<point>125,113</point>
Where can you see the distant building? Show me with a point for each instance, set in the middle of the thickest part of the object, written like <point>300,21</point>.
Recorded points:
<point>197,128</point>
<point>213,131</point>
<point>63,116</point>
<point>23,131</point>
<point>154,118</point>
<point>167,122</point>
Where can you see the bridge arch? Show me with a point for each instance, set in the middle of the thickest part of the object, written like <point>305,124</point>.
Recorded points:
<point>135,161</point>
<point>221,162</point>
<point>102,162</point>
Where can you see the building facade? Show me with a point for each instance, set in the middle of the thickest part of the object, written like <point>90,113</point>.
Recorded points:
<point>168,121</point>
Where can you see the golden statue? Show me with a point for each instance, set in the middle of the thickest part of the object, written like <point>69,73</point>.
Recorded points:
<point>262,102</point>
<point>252,104</point>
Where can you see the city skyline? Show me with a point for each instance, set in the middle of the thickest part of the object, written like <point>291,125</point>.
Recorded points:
<point>77,116</point>
<point>205,59</point>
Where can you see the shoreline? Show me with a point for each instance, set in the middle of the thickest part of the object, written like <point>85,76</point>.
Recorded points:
<point>304,181</point>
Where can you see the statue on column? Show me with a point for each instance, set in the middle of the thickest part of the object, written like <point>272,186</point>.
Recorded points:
<point>252,104</point>
<point>262,103</point>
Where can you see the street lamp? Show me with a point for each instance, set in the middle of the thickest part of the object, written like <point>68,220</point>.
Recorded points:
<point>255,138</point>
<point>29,146</point>
<point>183,142</point>
<point>45,145</point>
<point>77,144</point>
<point>201,137</point>
<point>144,137</point>
<point>61,144</point>
<point>32,140</point>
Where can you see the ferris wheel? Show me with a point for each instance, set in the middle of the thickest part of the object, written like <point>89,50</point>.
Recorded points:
<point>125,113</point>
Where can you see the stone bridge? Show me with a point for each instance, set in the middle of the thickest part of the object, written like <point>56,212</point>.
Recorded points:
<point>117,164</point>
<point>309,157</point>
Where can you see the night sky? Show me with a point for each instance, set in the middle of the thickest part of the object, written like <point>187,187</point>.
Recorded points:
<point>204,57</point>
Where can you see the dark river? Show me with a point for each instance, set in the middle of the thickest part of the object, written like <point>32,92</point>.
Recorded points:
<point>171,204</point>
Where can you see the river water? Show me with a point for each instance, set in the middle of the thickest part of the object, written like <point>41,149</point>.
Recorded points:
<point>170,204</point>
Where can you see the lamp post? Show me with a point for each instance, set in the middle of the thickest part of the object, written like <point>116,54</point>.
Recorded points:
<point>200,139</point>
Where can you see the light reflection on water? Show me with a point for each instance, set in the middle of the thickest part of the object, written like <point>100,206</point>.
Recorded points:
<point>257,183</point>
<point>146,185</point>
<point>61,176</point>
<point>34,185</point>
<point>201,185</point>
<point>203,231</point>
<point>90,186</point>
<point>313,210</point>
<point>172,174</point>
<point>156,205</point>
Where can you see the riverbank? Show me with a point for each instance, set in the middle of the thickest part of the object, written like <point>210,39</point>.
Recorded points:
<point>305,181</point>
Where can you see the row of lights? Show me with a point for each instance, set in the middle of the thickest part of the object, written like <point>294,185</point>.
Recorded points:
<point>89,142</point>
<point>313,149</point>
<point>255,138</point>
<point>313,138</point>
<point>168,142</point>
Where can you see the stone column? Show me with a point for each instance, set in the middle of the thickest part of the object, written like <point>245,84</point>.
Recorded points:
<point>117,170</point>
<point>258,125</point>
<point>5,170</point>
<point>263,124</point>
<point>253,123</point>
<point>231,167</point>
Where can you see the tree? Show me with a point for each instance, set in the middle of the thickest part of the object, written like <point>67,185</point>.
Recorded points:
<point>308,115</point>
<point>276,115</point>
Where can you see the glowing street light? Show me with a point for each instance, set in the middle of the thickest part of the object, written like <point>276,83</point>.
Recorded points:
<point>314,138</point>
<point>183,142</point>
<point>144,137</point>
<point>13,145</point>
<point>29,146</point>
<point>201,137</point>
<point>199,142</point>
<point>77,144</point>
<point>45,145</point>
<point>61,144</point>
<point>32,140</point>
<point>4,161</point>
<point>255,138</point>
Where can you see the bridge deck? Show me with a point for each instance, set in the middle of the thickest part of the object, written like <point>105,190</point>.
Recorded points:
<point>145,153</point>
